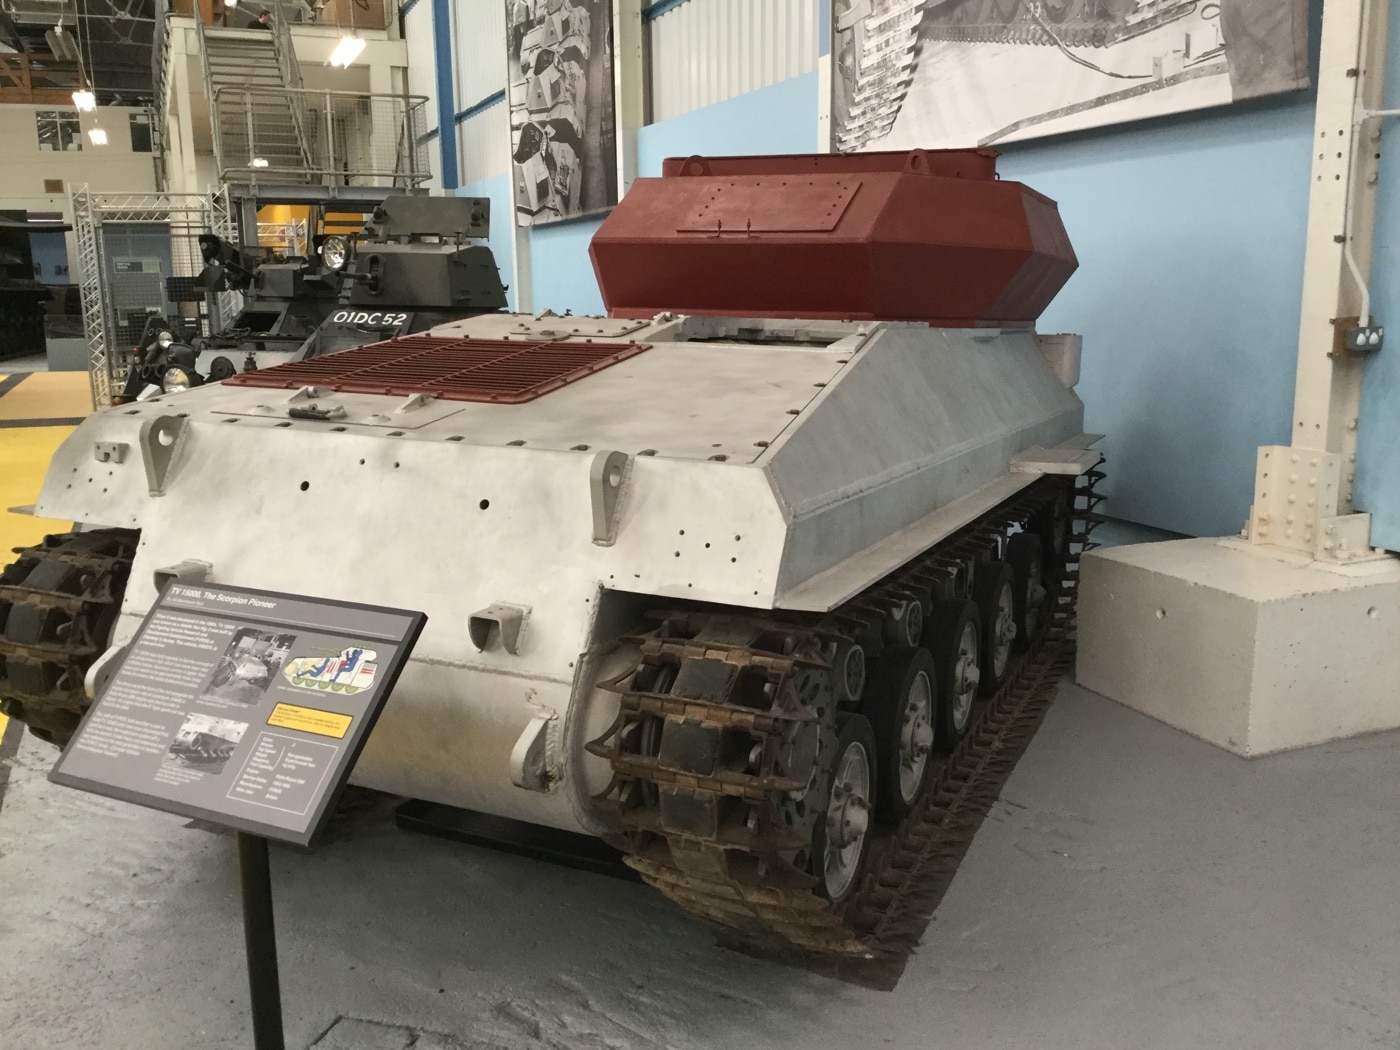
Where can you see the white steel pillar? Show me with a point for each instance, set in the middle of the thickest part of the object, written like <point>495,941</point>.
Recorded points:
<point>1341,212</point>
<point>1303,494</point>
<point>629,88</point>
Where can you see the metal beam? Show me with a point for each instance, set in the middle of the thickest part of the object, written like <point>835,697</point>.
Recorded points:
<point>1341,213</point>
<point>1303,493</point>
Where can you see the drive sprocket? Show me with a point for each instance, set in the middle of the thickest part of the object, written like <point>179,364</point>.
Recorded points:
<point>58,602</point>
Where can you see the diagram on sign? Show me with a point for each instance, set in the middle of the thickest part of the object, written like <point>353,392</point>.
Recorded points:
<point>205,743</point>
<point>249,665</point>
<point>350,671</point>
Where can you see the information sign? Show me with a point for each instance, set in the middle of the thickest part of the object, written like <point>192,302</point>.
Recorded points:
<point>245,708</point>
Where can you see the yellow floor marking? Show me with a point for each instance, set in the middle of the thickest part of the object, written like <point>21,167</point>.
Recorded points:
<point>48,395</point>
<point>25,454</point>
<point>24,460</point>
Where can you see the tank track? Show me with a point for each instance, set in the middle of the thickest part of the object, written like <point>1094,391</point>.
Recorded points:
<point>1074,23</point>
<point>58,602</point>
<point>682,804</point>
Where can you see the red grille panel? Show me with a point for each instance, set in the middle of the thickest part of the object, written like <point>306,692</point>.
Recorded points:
<point>504,371</point>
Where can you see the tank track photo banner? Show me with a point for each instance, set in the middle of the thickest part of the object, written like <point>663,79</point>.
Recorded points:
<point>959,73</point>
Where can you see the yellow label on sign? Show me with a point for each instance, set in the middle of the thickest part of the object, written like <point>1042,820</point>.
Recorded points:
<point>310,720</point>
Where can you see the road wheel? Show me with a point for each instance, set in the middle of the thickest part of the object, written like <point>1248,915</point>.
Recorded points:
<point>1025,556</point>
<point>994,591</point>
<point>841,838</point>
<point>902,707</point>
<point>954,637</point>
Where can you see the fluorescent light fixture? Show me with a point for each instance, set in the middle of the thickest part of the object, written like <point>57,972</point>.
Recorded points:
<point>258,162</point>
<point>347,51</point>
<point>85,100</point>
<point>230,3</point>
<point>97,136</point>
<point>61,44</point>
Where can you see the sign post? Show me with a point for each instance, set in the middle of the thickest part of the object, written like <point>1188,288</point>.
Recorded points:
<point>248,709</point>
<point>260,938</point>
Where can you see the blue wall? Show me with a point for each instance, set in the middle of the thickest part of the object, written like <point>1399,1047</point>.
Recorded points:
<point>1190,239</point>
<point>50,251</point>
<point>1378,458</point>
<point>560,269</point>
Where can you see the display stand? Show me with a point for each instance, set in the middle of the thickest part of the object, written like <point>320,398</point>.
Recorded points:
<point>246,709</point>
<point>260,938</point>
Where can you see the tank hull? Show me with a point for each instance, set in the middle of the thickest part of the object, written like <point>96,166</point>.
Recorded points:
<point>757,474</point>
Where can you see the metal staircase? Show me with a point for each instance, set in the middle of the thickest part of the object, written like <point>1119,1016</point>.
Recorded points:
<point>255,106</point>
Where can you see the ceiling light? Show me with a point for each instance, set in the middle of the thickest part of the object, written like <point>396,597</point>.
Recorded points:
<point>61,44</point>
<point>230,3</point>
<point>85,100</point>
<point>347,51</point>
<point>258,162</point>
<point>97,136</point>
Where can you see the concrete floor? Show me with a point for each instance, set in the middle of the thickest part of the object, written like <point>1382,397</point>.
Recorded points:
<point>1133,888</point>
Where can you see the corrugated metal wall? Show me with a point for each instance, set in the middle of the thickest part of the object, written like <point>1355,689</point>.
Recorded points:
<point>422,60</point>
<point>484,143</point>
<point>480,62</point>
<point>706,51</point>
<point>480,58</point>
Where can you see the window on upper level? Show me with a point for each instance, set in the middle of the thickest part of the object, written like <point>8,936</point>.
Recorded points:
<point>58,130</point>
<point>140,132</point>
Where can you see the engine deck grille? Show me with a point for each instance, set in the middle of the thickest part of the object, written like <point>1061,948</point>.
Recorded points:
<point>503,371</point>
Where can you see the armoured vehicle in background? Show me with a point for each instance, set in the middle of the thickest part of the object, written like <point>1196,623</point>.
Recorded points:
<point>284,299</point>
<point>718,577</point>
<point>411,269</point>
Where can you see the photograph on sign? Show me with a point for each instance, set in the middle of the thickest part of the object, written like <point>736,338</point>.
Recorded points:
<point>204,743</point>
<point>961,73</point>
<point>563,124</point>
<point>249,665</point>
<point>241,707</point>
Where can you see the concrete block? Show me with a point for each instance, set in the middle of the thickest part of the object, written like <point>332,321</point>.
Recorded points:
<point>1251,650</point>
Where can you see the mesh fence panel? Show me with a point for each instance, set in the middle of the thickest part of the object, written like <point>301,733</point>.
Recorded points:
<point>322,137</point>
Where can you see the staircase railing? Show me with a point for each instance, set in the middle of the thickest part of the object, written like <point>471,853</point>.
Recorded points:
<point>354,139</point>
<point>160,77</point>
<point>290,69</point>
<point>203,39</point>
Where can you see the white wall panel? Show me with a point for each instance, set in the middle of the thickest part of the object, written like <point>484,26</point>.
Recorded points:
<point>484,144</point>
<point>480,57</point>
<point>422,60</point>
<point>706,51</point>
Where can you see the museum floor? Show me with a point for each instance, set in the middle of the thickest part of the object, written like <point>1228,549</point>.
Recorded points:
<point>1133,887</point>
